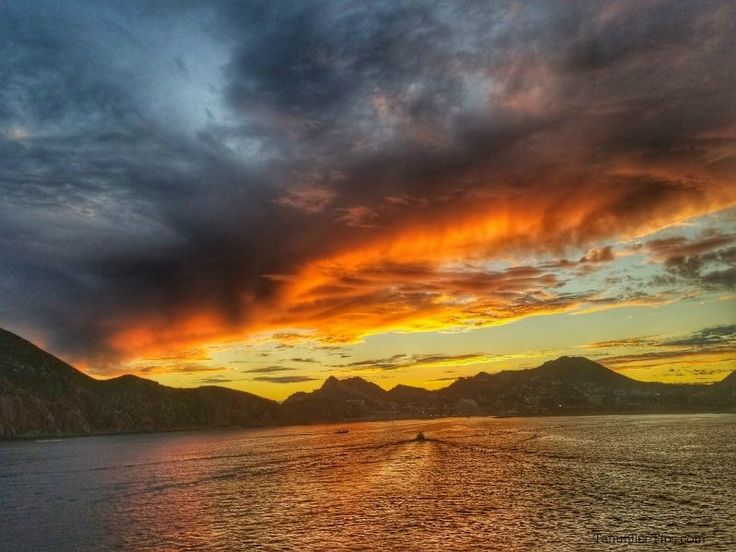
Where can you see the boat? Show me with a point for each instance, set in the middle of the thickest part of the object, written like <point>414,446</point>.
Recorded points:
<point>342,431</point>
<point>420,437</point>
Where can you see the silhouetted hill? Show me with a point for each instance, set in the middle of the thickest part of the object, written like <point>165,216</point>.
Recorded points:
<point>349,398</point>
<point>25,365</point>
<point>41,395</point>
<point>724,392</point>
<point>561,372</point>
<point>567,385</point>
<point>729,380</point>
<point>406,393</point>
<point>357,388</point>
<point>576,370</point>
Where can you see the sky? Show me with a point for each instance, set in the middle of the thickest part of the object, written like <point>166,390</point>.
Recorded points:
<point>263,194</point>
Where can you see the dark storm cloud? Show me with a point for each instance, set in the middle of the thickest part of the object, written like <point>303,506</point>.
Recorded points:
<point>108,211</point>
<point>158,161</point>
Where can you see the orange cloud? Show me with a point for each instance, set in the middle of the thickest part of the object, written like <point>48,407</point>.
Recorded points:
<point>432,274</point>
<point>405,279</point>
<point>153,337</point>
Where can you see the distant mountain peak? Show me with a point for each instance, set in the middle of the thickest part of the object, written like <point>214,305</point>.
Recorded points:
<point>331,381</point>
<point>41,395</point>
<point>23,363</point>
<point>351,386</point>
<point>577,360</point>
<point>729,380</point>
<point>579,369</point>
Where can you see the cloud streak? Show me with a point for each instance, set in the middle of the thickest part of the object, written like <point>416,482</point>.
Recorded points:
<point>268,370</point>
<point>714,341</point>
<point>284,379</point>
<point>400,361</point>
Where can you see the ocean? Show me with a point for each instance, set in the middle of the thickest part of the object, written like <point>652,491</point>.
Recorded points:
<point>550,484</point>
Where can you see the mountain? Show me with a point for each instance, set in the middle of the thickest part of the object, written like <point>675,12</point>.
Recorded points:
<point>566,381</point>
<point>729,381</point>
<point>724,392</point>
<point>350,398</point>
<point>578,370</point>
<point>41,395</point>
<point>567,385</point>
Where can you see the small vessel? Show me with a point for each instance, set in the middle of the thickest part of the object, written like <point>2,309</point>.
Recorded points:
<point>342,431</point>
<point>420,437</point>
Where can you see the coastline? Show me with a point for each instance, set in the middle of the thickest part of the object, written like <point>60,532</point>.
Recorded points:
<point>204,429</point>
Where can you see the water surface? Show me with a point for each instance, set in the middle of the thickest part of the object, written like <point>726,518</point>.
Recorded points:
<point>477,484</point>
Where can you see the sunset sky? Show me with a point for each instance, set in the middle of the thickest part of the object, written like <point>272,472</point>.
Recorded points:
<point>263,194</point>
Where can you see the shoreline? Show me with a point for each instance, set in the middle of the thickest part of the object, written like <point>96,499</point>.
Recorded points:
<point>61,437</point>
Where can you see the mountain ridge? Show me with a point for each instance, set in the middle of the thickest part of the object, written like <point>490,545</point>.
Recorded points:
<point>42,395</point>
